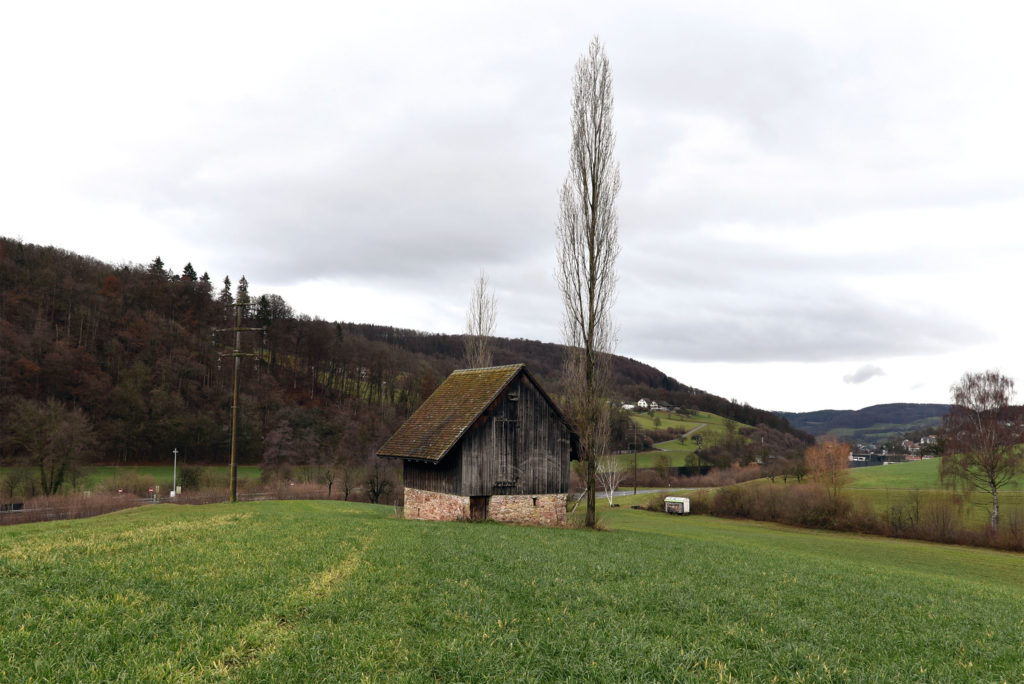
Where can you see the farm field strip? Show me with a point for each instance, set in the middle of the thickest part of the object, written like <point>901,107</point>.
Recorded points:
<point>329,590</point>
<point>95,476</point>
<point>923,474</point>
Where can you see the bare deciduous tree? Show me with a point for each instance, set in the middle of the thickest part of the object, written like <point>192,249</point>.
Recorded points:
<point>480,320</point>
<point>378,481</point>
<point>54,438</point>
<point>588,245</point>
<point>610,474</point>
<point>827,463</point>
<point>981,435</point>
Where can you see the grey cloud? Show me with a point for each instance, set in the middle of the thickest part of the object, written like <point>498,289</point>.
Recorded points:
<point>714,301</point>
<point>411,174</point>
<point>820,330</point>
<point>863,374</point>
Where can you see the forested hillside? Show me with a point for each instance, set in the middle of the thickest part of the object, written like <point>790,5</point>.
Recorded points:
<point>122,364</point>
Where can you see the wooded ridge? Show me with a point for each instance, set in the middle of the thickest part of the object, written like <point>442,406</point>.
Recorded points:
<point>129,355</point>
<point>894,418</point>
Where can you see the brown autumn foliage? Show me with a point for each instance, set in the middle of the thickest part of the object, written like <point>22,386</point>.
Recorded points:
<point>827,464</point>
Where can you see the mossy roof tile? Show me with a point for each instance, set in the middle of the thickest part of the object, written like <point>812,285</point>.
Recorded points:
<point>440,421</point>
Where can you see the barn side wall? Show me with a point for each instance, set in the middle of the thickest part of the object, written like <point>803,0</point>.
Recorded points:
<point>424,505</point>
<point>435,477</point>
<point>541,446</point>
<point>542,509</point>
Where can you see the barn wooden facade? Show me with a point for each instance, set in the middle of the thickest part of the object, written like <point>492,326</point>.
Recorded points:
<point>488,443</point>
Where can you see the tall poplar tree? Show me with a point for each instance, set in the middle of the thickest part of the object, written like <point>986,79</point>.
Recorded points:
<point>588,245</point>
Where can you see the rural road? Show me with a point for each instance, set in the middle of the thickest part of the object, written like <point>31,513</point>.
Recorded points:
<point>604,495</point>
<point>684,435</point>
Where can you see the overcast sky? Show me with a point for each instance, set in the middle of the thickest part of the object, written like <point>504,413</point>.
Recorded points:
<point>821,207</point>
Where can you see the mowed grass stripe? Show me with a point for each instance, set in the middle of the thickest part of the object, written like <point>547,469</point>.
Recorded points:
<point>326,590</point>
<point>263,638</point>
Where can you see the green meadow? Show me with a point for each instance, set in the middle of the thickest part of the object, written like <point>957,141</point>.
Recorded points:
<point>922,475</point>
<point>708,425</point>
<point>713,423</point>
<point>909,475</point>
<point>332,591</point>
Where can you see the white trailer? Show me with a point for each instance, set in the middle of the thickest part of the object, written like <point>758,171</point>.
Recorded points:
<point>680,505</point>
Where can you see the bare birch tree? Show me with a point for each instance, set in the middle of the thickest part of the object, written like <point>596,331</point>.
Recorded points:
<point>981,435</point>
<point>610,474</point>
<point>588,244</point>
<point>480,320</point>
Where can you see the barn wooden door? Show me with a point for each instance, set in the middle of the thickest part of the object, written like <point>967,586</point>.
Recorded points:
<point>507,444</point>
<point>478,507</point>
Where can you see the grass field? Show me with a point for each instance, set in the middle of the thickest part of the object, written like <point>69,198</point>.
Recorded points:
<point>884,486</point>
<point>678,455</point>
<point>714,423</point>
<point>97,476</point>
<point>332,591</point>
<point>910,475</point>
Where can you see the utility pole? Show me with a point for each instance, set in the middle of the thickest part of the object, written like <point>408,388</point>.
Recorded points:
<point>634,459</point>
<point>237,353</point>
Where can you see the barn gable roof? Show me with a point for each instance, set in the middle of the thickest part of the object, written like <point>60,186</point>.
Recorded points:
<point>447,414</point>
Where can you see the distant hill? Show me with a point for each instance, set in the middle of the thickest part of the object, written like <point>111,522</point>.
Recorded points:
<point>872,424</point>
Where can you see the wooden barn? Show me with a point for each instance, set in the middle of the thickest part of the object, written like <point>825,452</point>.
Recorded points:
<point>488,443</point>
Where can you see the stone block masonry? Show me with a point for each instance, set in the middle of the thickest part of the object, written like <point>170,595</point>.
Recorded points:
<point>424,505</point>
<point>521,509</point>
<point>528,509</point>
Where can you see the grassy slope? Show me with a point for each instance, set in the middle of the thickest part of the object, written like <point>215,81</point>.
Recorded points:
<point>678,453</point>
<point>327,590</point>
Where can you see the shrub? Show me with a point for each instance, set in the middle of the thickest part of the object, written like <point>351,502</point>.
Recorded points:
<point>731,502</point>
<point>1012,530</point>
<point>190,477</point>
<point>700,503</point>
<point>656,502</point>
<point>941,520</point>
<point>215,478</point>
<point>649,477</point>
<point>128,482</point>
<point>811,505</point>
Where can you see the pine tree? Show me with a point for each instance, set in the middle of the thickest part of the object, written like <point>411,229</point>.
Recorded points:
<point>242,294</point>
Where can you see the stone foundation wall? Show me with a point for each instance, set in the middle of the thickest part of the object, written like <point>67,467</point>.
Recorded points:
<point>424,505</point>
<point>522,509</point>
<point>528,509</point>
